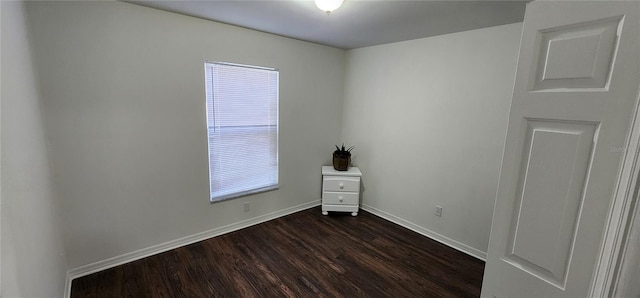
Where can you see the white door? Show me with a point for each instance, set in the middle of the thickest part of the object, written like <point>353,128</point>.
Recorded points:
<point>575,91</point>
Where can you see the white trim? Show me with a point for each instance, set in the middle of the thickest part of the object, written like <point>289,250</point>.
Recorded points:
<point>614,290</point>
<point>474,252</point>
<point>241,65</point>
<point>67,286</point>
<point>620,218</point>
<point>169,245</point>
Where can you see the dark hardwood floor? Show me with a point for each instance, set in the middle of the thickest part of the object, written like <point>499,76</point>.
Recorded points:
<point>300,255</point>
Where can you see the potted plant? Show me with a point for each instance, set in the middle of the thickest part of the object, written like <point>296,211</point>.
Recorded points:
<point>342,158</point>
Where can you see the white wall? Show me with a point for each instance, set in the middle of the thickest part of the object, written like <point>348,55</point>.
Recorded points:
<point>428,119</point>
<point>33,259</point>
<point>124,106</point>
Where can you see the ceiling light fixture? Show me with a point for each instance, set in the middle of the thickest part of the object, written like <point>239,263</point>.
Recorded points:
<point>328,5</point>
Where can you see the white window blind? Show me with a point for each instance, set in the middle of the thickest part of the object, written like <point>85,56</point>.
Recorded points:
<point>242,125</point>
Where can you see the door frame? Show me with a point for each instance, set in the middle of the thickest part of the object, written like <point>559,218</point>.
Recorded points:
<point>623,210</point>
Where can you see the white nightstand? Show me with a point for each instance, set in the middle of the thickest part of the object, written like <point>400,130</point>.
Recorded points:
<point>340,190</point>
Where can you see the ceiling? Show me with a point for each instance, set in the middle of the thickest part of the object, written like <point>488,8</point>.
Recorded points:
<point>358,23</point>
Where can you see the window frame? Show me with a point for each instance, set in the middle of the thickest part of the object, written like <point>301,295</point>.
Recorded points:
<point>209,92</point>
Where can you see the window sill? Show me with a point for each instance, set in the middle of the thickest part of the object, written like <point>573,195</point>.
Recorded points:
<point>243,193</point>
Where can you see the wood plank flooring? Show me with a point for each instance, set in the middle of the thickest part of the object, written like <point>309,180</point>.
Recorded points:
<point>300,255</point>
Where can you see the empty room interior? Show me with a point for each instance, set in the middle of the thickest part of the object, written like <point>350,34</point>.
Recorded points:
<point>501,133</point>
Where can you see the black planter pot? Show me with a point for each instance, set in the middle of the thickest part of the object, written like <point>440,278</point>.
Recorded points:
<point>341,162</point>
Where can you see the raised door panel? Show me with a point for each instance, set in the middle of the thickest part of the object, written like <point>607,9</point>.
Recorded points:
<point>556,161</point>
<point>577,56</point>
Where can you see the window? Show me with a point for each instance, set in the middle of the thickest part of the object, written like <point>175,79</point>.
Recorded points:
<point>242,125</point>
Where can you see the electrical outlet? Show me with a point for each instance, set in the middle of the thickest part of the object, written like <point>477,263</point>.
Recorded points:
<point>438,211</point>
<point>246,207</point>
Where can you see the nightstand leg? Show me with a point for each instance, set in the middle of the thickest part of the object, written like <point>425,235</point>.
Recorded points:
<point>325,212</point>
<point>354,213</point>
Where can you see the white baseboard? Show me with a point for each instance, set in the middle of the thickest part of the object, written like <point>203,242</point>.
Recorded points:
<point>474,252</point>
<point>67,286</point>
<point>162,247</point>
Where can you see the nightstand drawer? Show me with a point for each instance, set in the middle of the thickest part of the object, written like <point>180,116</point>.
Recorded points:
<point>340,198</point>
<point>334,183</point>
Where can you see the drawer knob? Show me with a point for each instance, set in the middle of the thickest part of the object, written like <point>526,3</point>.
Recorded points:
<point>341,185</point>
<point>340,199</point>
